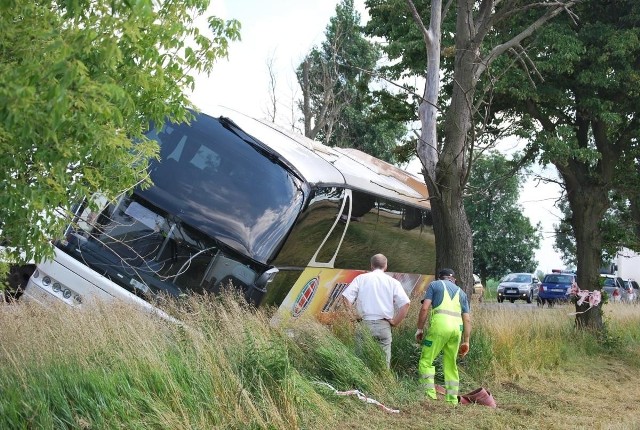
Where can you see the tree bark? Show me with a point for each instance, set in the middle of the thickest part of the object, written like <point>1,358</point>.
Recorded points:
<point>306,98</point>
<point>446,166</point>
<point>588,205</point>
<point>588,189</point>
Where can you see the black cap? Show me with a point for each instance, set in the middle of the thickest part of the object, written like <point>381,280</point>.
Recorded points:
<point>445,272</point>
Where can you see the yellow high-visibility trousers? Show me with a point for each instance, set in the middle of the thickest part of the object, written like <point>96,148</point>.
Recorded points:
<point>443,336</point>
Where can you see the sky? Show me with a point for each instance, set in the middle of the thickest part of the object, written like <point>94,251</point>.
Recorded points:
<point>283,31</point>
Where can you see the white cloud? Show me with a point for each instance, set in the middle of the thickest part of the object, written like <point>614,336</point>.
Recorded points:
<point>285,30</point>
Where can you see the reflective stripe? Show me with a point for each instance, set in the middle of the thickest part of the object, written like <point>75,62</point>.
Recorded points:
<point>446,312</point>
<point>428,375</point>
<point>429,385</point>
<point>450,307</point>
<point>452,392</point>
<point>452,383</point>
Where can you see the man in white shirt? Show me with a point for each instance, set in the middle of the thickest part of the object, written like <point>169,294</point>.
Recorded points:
<point>377,296</point>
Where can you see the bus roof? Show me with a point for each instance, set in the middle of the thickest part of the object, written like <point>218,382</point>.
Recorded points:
<point>321,165</point>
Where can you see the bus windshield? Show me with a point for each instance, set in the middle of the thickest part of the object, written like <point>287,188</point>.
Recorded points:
<point>216,179</point>
<point>218,198</point>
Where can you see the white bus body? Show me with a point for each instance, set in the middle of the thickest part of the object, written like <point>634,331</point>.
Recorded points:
<point>238,201</point>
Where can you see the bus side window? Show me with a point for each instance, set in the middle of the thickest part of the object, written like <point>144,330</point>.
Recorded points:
<point>326,254</point>
<point>392,229</point>
<point>311,229</point>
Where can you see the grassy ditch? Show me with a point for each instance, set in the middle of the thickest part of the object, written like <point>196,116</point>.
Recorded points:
<point>228,367</point>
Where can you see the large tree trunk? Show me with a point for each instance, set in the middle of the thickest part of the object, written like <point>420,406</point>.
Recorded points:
<point>452,232</point>
<point>588,189</point>
<point>588,204</point>
<point>587,184</point>
<point>446,165</point>
<point>454,244</point>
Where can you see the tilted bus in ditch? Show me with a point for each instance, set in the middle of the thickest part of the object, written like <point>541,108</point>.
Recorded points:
<point>240,202</point>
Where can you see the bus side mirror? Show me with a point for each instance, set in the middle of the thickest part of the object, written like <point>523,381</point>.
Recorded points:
<point>265,278</point>
<point>255,293</point>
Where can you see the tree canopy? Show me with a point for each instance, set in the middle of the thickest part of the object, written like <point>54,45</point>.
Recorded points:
<point>341,105</point>
<point>580,105</point>
<point>79,83</point>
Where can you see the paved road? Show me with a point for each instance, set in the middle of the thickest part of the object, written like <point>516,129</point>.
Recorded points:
<point>518,304</point>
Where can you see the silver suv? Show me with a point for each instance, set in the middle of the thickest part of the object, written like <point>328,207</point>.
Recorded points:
<point>633,291</point>
<point>516,286</point>
<point>614,287</point>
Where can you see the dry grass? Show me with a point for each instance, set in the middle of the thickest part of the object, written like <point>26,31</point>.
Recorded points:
<point>117,364</point>
<point>229,368</point>
<point>542,373</point>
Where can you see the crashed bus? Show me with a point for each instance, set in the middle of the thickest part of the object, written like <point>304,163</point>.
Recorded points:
<point>240,202</point>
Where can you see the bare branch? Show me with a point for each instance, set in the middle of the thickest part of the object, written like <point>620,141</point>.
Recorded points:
<point>484,16</point>
<point>272,107</point>
<point>424,142</point>
<point>557,8</point>
<point>446,9</point>
<point>389,81</point>
<point>525,62</point>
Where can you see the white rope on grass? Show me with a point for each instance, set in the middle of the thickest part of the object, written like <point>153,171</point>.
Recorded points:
<point>360,395</point>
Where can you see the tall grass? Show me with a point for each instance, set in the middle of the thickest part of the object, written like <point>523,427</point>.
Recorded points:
<point>229,367</point>
<point>116,367</point>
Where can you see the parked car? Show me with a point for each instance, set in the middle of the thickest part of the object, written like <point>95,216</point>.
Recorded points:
<point>516,286</point>
<point>633,290</point>
<point>478,288</point>
<point>614,287</point>
<point>555,287</point>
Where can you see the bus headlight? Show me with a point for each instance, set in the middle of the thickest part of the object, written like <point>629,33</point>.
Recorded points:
<point>58,289</point>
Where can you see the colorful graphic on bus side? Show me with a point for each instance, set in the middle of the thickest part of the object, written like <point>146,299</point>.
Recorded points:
<point>318,290</point>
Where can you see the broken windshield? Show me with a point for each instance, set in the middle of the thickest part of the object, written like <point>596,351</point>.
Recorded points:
<point>218,182</point>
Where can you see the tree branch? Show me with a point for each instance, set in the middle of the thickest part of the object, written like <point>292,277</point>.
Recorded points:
<point>426,35</point>
<point>389,81</point>
<point>558,7</point>
<point>446,9</point>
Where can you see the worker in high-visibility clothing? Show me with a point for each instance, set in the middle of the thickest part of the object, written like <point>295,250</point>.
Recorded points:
<point>450,322</point>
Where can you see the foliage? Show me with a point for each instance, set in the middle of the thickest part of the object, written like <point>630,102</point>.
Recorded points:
<point>341,104</point>
<point>617,227</point>
<point>79,83</point>
<point>583,117</point>
<point>460,48</point>
<point>4,271</point>
<point>504,239</point>
<point>405,49</point>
